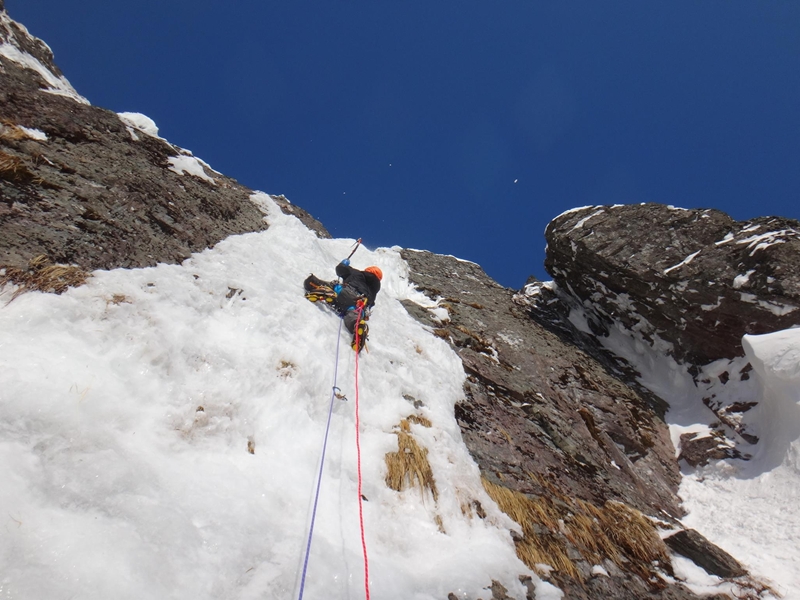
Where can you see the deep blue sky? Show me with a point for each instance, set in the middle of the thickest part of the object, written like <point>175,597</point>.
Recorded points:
<point>407,123</point>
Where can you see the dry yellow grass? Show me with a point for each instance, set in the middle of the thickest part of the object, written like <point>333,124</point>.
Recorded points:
<point>553,522</point>
<point>470,507</point>
<point>405,424</point>
<point>439,524</point>
<point>631,531</point>
<point>13,169</point>
<point>585,531</point>
<point>43,276</point>
<point>506,435</point>
<point>409,466</point>
<point>118,299</point>
<point>10,131</point>
<point>539,520</point>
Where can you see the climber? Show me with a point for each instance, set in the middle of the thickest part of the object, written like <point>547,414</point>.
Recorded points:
<point>353,297</point>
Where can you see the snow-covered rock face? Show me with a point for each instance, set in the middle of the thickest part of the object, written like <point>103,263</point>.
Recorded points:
<point>683,286</point>
<point>695,280</point>
<point>171,449</point>
<point>164,423</point>
<point>20,47</point>
<point>673,298</point>
<point>86,186</point>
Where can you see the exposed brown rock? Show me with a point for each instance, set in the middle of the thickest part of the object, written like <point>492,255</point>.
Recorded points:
<point>697,451</point>
<point>535,404</point>
<point>713,559</point>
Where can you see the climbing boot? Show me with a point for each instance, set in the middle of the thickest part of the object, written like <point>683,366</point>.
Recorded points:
<point>360,339</point>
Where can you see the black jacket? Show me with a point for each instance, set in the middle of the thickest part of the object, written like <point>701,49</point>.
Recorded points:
<point>363,282</point>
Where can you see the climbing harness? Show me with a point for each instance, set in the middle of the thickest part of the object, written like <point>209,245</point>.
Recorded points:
<point>321,464</point>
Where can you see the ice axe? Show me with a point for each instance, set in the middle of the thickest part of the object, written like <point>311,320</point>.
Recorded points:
<point>358,243</point>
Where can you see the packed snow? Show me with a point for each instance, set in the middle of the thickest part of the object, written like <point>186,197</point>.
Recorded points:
<point>140,122</point>
<point>129,408</point>
<point>574,210</point>
<point>599,570</point>
<point>684,262</point>
<point>729,237</point>
<point>742,280</point>
<point>11,131</point>
<point>583,221</point>
<point>765,240</point>
<point>34,134</point>
<point>189,165</point>
<point>776,308</point>
<point>700,582</point>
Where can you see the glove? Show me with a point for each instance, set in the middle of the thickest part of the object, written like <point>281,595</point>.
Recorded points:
<point>346,262</point>
<point>337,288</point>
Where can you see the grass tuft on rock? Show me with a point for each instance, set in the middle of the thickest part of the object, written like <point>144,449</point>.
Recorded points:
<point>10,131</point>
<point>43,275</point>
<point>538,517</point>
<point>409,466</point>
<point>13,169</point>
<point>560,531</point>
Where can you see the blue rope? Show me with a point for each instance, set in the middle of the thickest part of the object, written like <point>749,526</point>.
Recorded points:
<point>322,463</point>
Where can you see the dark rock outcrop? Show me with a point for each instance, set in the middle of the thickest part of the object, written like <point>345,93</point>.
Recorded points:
<point>696,279</point>
<point>713,559</point>
<point>537,405</point>
<point>699,450</point>
<point>83,187</point>
<point>690,283</point>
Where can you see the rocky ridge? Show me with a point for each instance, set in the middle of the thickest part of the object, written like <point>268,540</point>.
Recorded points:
<point>690,283</point>
<point>88,187</point>
<point>695,279</point>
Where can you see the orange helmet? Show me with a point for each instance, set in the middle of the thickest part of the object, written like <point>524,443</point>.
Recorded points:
<point>375,271</point>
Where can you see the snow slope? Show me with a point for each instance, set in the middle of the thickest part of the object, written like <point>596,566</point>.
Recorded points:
<point>127,407</point>
<point>748,508</point>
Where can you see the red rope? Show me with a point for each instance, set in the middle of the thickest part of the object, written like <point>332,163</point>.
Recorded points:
<point>358,453</point>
